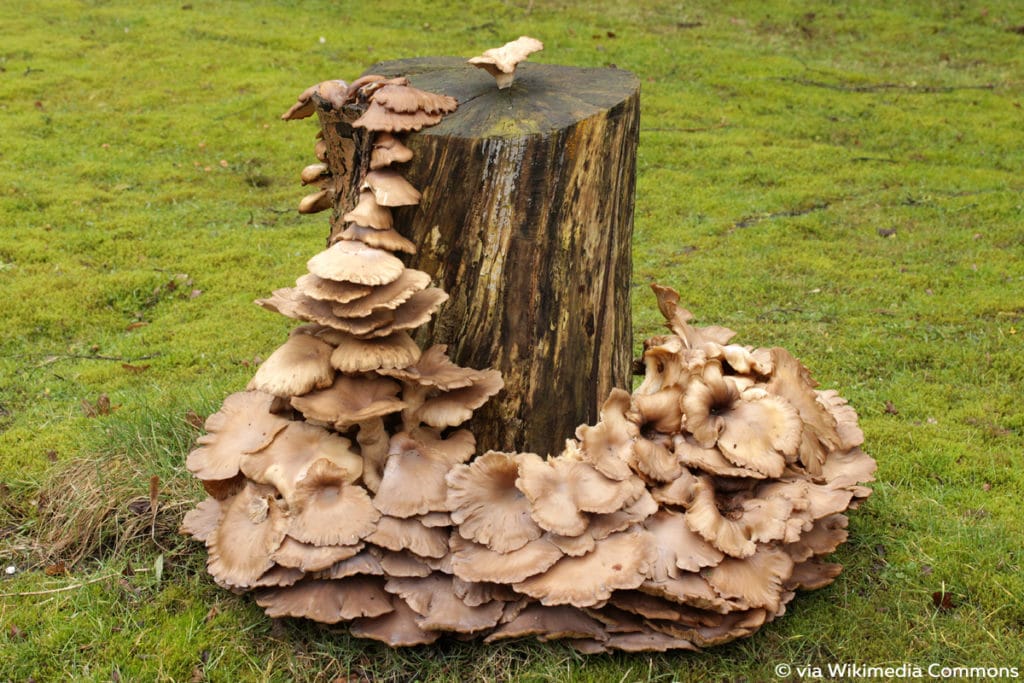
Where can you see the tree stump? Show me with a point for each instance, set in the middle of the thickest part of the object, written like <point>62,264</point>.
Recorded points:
<point>526,221</point>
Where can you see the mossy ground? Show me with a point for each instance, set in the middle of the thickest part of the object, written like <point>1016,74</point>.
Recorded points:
<point>842,179</point>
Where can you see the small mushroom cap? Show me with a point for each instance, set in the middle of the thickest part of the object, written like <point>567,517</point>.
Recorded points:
<point>377,117</point>
<point>793,382</point>
<point>388,240</point>
<point>759,520</point>
<point>369,213</point>
<point>452,408</point>
<point>201,522</point>
<point>405,99</point>
<point>390,188</point>
<point>474,562</point>
<point>314,173</point>
<point>756,581</point>
<point>660,410</point>
<point>678,321</point>
<point>812,574</point>
<point>402,565</point>
<point>487,506</point>
<point>709,460</point>
<point>418,310</point>
<point>300,365</point>
<point>608,445</point>
<point>327,601</point>
<point>435,369</point>
<point>844,470</point>
<point>328,510</point>
<point>330,290</point>
<point>759,434</point>
<point>316,202</point>
<point>332,92</point>
<point>388,150</point>
<point>244,424</point>
<point>550,623</point>
<point>303,107</point>
<point>655,461</point>
<point>351,400</point>
<point>434,599</point>
<point>413,482</point>
<point>294,304</point>
<point>827,534</point>
<point>850,434</point>
<point>647,641</point>
<point>356,262</point>
<point>690,589</point>
<point>501,62</point>
<point>363,563</point>
<point>398,628</point>
<point>252,527</point>
<point>619,562</point>
<point>396,350</point>
<point>386,297</point>
<point>278,576</point>
<point>311,558</point>
<point>410,534</point>
<point>679,548</point>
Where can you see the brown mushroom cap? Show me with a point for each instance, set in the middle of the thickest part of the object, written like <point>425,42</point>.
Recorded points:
<point>679,548</point>
<point>328,510</point>
<point>314,173</point>
<point>294,304</point>
<point>608,445</point>
<point>759,432</point>
<point>395,350</point>
<point>330,290</point>
<point>709,460</point>
<point>846,469</point>
<point>435,369</point>
<point>311,558</point>
<point>413,482</point>
<point>351,400</point>
<point>758,520</point>
<point>434,599</point>
<point>398,628</point>
<point>390,188</point>
<point>678,320</point>
<point>756,580</point>
<point>655,461</point>
<point>364,563</point>
<point>300,365</point>
<point>327,601</point>
<point>388,150</point>
<point>303,107</point>
<point>660,410</point>
<point>452,408</point>
<point>549,623</point>
<point>377,117</point>
<point>620,561</point>
<point>475,562</point>
<point>356,262</point>
<point>244,424</point>
<point>252,527</point>
<point>812,574</point>
<point>316,202</point>
<point>487,506</point>
<point>386,297</point>
<point>501,62</point>
<point>827,534</point>
<point>388,240</point>
<point>405,99</point>
<point>402,565</point>
<point>278,577</point>
<point>369,213</point>
<point>792,381</point>
<point>409,534</point>
<point>201,522</point>
<point>647,641</point>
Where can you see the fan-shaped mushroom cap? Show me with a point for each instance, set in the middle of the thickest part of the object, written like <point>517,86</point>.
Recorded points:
<point>294,304</point>
<point>390,188</point>
<point>252,527</point>
<point>377,117</point>
<point>846,469</point>
<point>303,107</point>
<point>679,492</point>
<point>678,320</point>
<point>389,240</point>
<point>356,262</point>
<point>351,400</point>
<point>549,623</point>
<point>330,290</point>
<point>363,86</point>
<point>328,510</point>
<point>434,599</point>
<point>385,297</point>
<point>475,562</point>
<point>311,558</point>
<point>620,561</point>
<point>501,62</point>
<point>418,310</point>
<point>827,534</point>
<point>655,461</point>
<point>402,565</point>
<point>454,407</point>
<point>850,434</point>
<point>663,364</point>
<point>320,150</point>
<point>327,601</point>
<point>396,350</point>
<point>435,369</point>
<point>201,522</point>
<point>369,213</point>
<point>660,410</point>
<point>648,641</point>
<point>476,593</point>
<point>706,398</point>
<point>285,461</point>
<point>332,92</point>
<point>405,99</point>
<point>387,150</point>
<point>759,432</point>
<point>608,445</point>
<point>562,491</point>
<point>690,589</point>
<point>300,365</point>
<point>243,424</point>
<point>759,520</point>
<point>278,577</point>
<point>606,524</point>
<point>793,382</point>
<point>487,506</point>
<point>409,534</point>
<point>812,574</point>
<point>756,581</point>
<point>709,460</point>
<point>316,202</point>
<point>398,628</point>
<point>363,563</point>
<point>413,482</point>
<point>679,548</point>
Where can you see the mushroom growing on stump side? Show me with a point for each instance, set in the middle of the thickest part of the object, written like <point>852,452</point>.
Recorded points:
<point>342,490</point>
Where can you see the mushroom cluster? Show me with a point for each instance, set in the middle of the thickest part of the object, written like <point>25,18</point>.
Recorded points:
<point>342,487</point>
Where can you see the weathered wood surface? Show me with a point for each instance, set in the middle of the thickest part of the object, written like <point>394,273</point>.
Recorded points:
<point>526,221</point>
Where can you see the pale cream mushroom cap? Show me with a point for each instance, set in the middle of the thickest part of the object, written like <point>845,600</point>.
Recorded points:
<point>620,561</point>
<point>679,548</point>
<point>243,424</point>
<point>201,521</point>
<point>707,397</point>
<point>395,350</point>
<point>388,150</point>
<point>369,213</point>
<point>398,628</point>
<point>351,400</point>
<point>330,290</point>
<point>758,520</point>
<point>501,62</point>
<point>377,117</point>
<point>413,481</point>
<point>663,364</point>
<point>434,599</point>
<point>608,445</point>
<point>300,365</point>
<point>252,527</point>
<point>405,99</point>
<point>328,510</point>
<point>605,524</point>
<point>709,460</point>
<point>475,562</point>
<point>327,601</point>
<point>385,297</point>
<point>756,581</point>
<point>311,558</point>
<point>356,262</point>
<point>759,433</point>
<point>410,534</point>
<point>487,507</point>
<point>454,407</point>
<point>549,623</point>
<point>679,492</point>
<point>388,240</point>
<point>390,188</point>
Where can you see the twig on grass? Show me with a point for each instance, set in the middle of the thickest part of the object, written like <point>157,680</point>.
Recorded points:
<point>72,587</point>
<point>876,87</point>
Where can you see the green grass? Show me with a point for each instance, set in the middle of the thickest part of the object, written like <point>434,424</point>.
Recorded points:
<point>779,142</point>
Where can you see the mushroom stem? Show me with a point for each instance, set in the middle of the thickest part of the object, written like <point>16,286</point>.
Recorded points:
<point>373,446</point>
<point>414,395</point>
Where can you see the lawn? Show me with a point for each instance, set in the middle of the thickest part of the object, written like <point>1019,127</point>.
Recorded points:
<point>845,180</point>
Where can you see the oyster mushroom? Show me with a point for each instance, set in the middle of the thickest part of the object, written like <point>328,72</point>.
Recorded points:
<point>501,62</point>
<point>300,365</point>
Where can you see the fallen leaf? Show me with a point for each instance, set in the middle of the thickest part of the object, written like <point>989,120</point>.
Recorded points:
<point>194,419</point>
<point>51,456</point>
<point>58,569</point>
<point>943,601</point>
<point>134,368</point>
<point>886,232</point>
<point>140,506</point>
<point>136,325</point>
<point>890,409</point>
<point>214,611</point>
<point>15,633</point>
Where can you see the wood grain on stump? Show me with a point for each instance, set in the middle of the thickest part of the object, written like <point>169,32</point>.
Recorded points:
<point>526,221</point>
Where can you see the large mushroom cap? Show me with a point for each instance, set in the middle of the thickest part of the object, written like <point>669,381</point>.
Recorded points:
<point>369,213</point>
<point>355,262</point>
<point>350,400</point>
<point>328,510</point>
<point>252,526</point>
<point>327,601</point>
<point>300,365</point>
<point>244,424</point>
